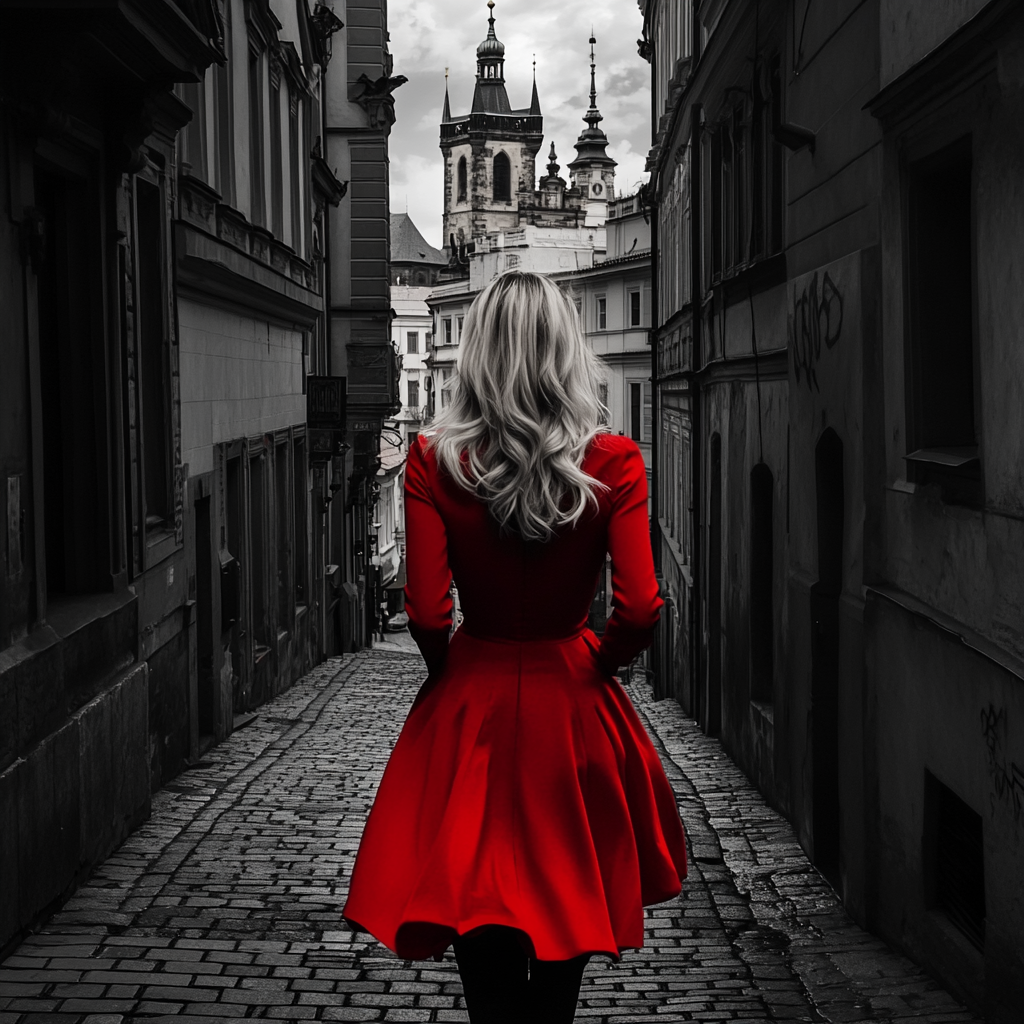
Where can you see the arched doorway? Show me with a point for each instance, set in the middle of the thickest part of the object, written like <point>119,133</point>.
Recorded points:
<point>825,593</point>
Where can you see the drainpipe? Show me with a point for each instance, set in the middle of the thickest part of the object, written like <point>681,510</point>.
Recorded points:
<point>654,206</point>
<point>696,460</point>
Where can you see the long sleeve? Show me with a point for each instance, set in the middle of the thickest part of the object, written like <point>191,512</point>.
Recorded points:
<point>427,598</point>
<point>635,598</point>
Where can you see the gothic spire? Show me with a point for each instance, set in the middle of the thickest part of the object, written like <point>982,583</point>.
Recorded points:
<point>447,114</point>
<point>535,100</point>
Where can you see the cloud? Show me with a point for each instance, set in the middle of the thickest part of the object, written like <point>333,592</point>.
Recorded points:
<point>429,35</point>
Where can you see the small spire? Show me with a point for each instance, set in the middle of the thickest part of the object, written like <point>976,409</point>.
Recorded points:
<point>447,113</point>
<point>535,99</point>
<point>553,166</point>
<point>593,83</point>
<point>490,20</point>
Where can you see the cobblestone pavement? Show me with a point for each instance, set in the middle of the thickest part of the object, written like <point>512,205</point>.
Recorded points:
<point>226,902</point>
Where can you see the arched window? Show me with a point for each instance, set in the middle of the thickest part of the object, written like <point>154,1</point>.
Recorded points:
<point>502,178</point>
<point>462,180</point>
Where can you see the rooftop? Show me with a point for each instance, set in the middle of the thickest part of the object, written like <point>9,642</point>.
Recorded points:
<point>409,246</point>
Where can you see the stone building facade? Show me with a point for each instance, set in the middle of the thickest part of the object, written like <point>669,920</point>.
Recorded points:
<point>254,200</point>
<point>836,256</point>
<point>179,259</point>
<point>359,111</point>
<point>94,572</point>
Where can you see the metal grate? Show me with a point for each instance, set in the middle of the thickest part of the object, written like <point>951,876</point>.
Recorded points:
<point>960,864</point>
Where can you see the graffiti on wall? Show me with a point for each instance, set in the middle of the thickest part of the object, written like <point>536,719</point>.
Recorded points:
<point>1007,778</point>
<point>817,324</point>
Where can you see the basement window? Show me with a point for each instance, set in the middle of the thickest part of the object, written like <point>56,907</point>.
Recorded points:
<point>957,877</point>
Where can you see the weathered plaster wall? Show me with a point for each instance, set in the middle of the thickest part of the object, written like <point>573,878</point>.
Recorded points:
<point>911,29</point>
<point>938,705</point>
<point>239,377</point>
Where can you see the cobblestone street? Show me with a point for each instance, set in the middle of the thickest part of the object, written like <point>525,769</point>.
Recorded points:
<point>226,902</point>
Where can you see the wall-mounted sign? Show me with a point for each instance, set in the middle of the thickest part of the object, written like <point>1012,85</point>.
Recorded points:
<point>325,403</point>
<point>325,416</point>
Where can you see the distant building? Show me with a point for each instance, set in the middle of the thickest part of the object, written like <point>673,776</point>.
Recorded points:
<point>415,263</point>
<point>496,218</point>
<point>613,298</point>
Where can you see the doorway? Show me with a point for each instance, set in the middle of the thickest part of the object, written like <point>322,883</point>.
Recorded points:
<point>828,471</point>
<point>206,684</point>
<point>713,711</point>
<point>762,612</point>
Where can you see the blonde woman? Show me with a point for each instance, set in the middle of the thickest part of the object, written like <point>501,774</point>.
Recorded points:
<point>524,816</point>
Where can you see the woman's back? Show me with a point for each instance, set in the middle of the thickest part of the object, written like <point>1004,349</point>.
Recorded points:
<point>525,591</point>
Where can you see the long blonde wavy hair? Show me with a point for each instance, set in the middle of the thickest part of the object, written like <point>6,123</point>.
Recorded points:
<point>524,406</point>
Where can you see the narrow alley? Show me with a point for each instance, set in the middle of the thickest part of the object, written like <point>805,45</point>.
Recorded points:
<point>226,902</point>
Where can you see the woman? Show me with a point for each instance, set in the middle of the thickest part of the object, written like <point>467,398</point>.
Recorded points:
<point>524,816</point>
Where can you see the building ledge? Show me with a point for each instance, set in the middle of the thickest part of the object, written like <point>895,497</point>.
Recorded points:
<point>955,631</point>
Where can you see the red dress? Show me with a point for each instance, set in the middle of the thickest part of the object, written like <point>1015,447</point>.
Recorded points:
<point>523,790</point>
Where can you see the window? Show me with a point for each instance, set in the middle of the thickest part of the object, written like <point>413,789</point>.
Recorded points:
<point>151,353</point>
<point>256,186</point>
<point>602,313</point>
<point>640,411</point>
<point>502,178</point>
<point>276,157</point>
<point>634,309</point>
<point>296,188</point>
<point>412,342</point>
<point>955,859</point>
<point>602,393</point>
<point>73,531</point>
<point>459,321</point>
<point>223,129</point>
<point>743,182</point>
<point>462,187</point>
<point>446,327</point>
<point>940,301</point>
<point>414,394</point>
<point>194,135</point>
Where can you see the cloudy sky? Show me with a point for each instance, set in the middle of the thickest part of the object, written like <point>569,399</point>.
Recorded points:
<point>429,35</point>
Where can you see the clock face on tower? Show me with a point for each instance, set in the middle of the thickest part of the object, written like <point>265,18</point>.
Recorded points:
<point>597,188</point>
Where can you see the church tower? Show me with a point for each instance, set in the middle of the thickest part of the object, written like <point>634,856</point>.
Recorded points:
<point>593,170</point>
<point>489,153</point>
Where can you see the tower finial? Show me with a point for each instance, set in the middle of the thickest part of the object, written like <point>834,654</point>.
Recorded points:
<point>553,162</point>
<point>593,82</point>
<point>490,19</point>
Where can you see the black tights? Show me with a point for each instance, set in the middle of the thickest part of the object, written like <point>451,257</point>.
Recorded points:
<point>505,986</point>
